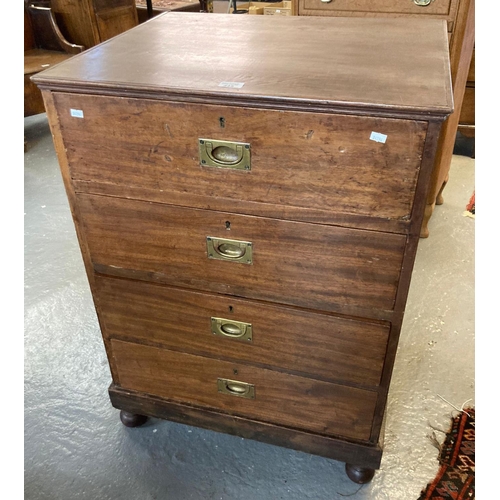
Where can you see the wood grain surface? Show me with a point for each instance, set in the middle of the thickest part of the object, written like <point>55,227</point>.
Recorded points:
<point>364,454</point>
<point>357,63</point>
<point>468,110</point>
<point>90,22</point>
<point>289,400</point>
<point>308,265</point>
<point>315,345</point>
<point>326,162</point>
<point>440,8</point>
<point>331,216</point>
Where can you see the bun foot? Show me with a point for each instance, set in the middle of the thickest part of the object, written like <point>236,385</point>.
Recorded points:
<point>359,475</point>
<point>132,419</point>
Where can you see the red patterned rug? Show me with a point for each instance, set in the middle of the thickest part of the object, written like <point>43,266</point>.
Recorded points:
<point>456,477</point>
<point>470,209</point>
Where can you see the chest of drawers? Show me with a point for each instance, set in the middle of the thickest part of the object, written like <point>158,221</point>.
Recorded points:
<point>249,221</point>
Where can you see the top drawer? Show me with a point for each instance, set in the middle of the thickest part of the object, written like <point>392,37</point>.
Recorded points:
<point>418,7</point>
<point>299,162</point>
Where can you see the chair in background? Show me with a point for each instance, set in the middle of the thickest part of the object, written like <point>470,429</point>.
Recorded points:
<point>44,46</point>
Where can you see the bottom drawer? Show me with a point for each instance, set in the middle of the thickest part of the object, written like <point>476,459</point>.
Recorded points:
<point>256,393</point>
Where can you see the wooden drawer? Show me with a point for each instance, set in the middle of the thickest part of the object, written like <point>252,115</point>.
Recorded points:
<point>310,265</point>
<point>318,345</point>
<point>149,149</point>
<point>280,398</point>
<point>435,7</point>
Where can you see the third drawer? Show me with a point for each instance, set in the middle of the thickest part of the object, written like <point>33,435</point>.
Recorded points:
<point>312,344</point>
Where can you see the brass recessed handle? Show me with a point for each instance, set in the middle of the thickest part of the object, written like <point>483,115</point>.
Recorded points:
<point>422,3</point>
<point>229,328</point>
<point>224,154</point>
<point>236,388</point>
<point>230,250</point>
<point>232,330</point>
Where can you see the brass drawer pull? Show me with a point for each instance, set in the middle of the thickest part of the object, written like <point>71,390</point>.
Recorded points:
<point>232,329</point>
<point>422,3</point>
<point>231,250</point>
<point>235,388</point>
<point>224,154</point>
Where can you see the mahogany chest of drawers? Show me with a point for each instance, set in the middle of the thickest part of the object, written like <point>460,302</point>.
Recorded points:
<point>249,220</point>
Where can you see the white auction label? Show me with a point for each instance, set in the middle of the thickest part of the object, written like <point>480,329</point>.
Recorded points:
<point>231,85</point>
<point>378,137</point>
<point>76,113</point>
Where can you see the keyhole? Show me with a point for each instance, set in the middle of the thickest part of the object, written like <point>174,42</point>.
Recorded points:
<point>230,309</point>
<point>222,122</point>
<point>228,225</point>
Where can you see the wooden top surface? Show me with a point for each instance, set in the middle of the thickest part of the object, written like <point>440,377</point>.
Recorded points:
<point>401,64</point>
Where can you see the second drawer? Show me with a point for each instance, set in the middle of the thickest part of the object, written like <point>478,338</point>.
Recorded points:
<point>328,268</point>
<point>314,344</point>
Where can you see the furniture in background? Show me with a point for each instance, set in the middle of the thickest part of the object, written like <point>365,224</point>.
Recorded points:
<point>250,251</point>
<point>89,22</point>
<point>146,9</point>
<point>459,15</point>
<point>44,46</point>
<point>467,122</point>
